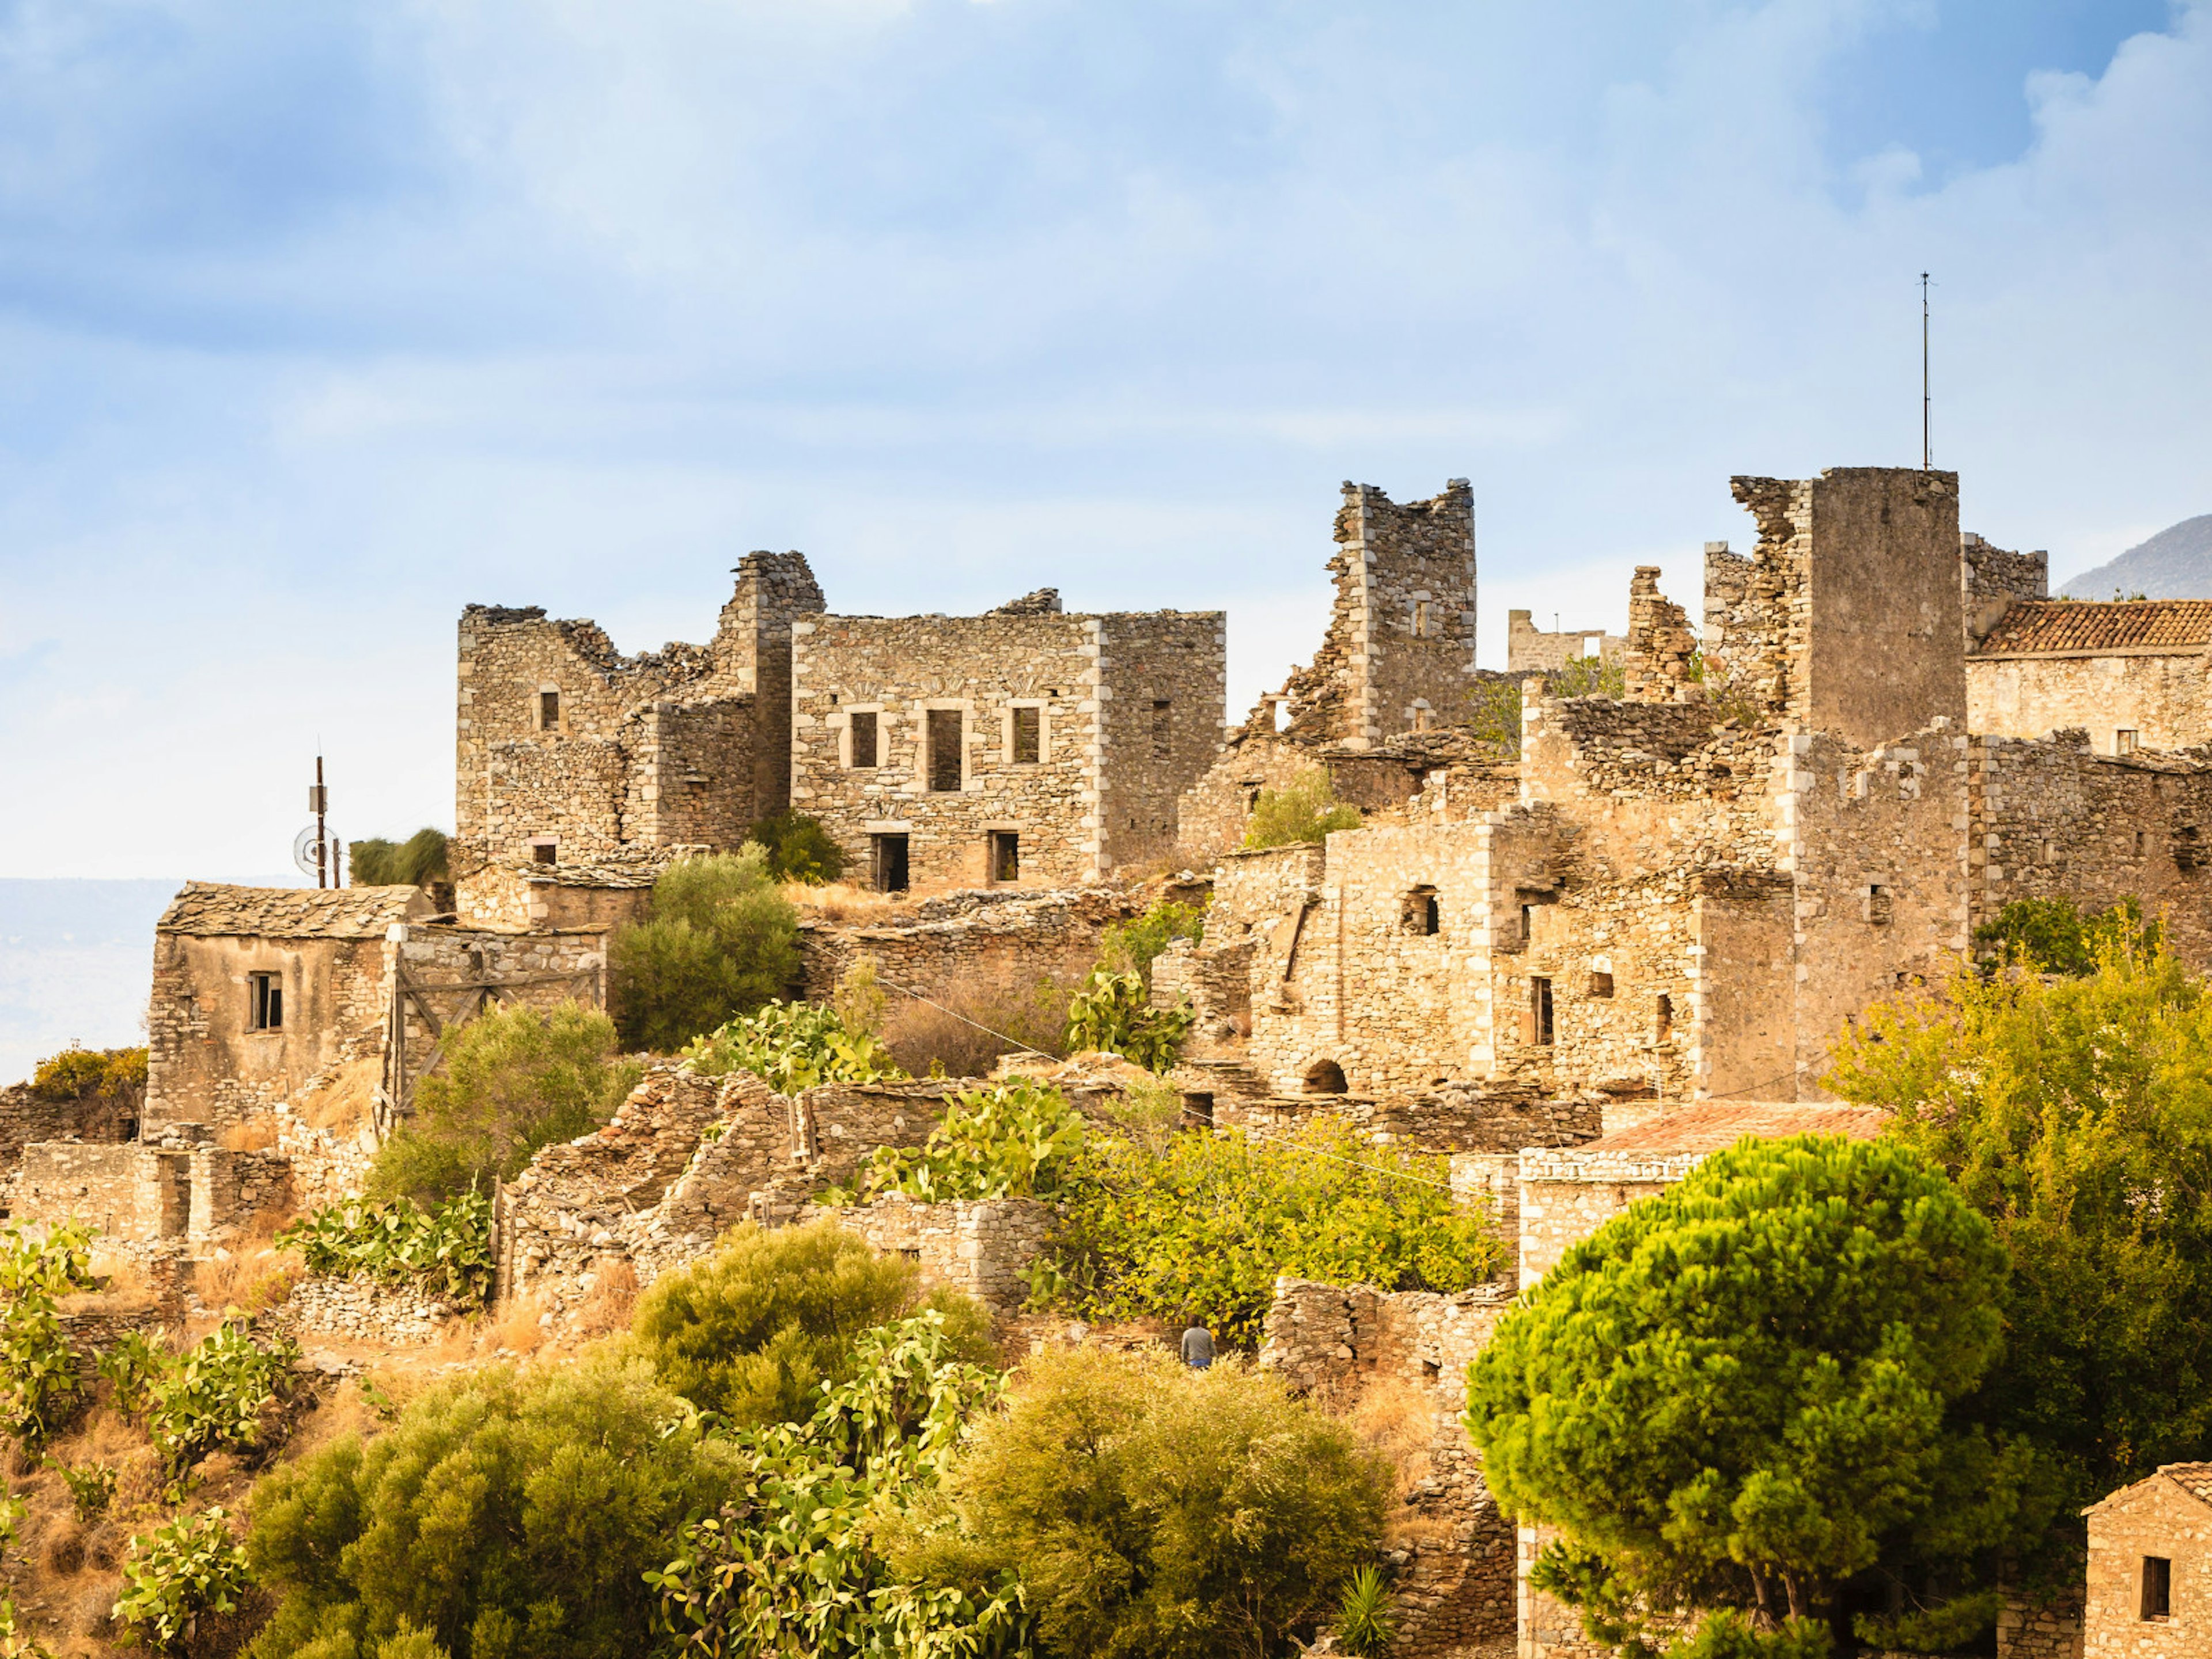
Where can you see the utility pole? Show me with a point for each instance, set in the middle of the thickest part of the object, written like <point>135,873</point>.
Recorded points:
<point>317,802</point>
<point>1927,455</point>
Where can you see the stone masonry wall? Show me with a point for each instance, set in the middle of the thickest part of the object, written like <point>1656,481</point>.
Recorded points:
<point>1009,938</point>
<point>1454,1568</point>
<point>1529,650</point>
<point>205,1062</point>
<point>26,1116</point>
<point>1128,710</point>
<point>2163,696</point>
<point>2052,819</point>
<point>448,973</point>
<point>1166,680</point>
<point>1656,661</point>
<point>2153,1517</point>
<point>126,1192</point>
<point>978,1246</point>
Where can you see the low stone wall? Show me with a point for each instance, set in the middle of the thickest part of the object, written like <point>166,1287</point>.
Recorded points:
<point>977,1246</point>
<point>2049,1630</point>
<point>326,1168</point>
<point>1005,937</point>
<point>1455,1566</point>
<point>1469,1118</point>
<point>26,1116</point>
<point>129,1192</point>
<point>361,1310</point>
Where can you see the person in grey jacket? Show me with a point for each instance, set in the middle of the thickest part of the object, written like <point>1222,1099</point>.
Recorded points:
<point>1197,1344</point>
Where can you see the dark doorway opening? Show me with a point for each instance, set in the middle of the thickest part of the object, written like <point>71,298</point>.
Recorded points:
<point>1006,855</point>
<point>887,861</point>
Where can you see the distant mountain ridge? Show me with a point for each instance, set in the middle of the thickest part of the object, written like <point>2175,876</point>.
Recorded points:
<point>2175,564</point>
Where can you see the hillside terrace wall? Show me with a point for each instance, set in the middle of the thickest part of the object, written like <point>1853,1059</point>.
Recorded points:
<point>1129,710</point>
<point>26,1116</point>
<point>1453,1576</point>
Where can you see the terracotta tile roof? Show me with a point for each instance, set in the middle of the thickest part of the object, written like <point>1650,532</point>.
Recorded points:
<point>2084,625</point>
<point>2195,1479</point>
<point>1710,1128</point>
<point>212,907</point>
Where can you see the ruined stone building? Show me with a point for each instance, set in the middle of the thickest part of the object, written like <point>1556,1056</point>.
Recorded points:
<point>568,752</point>
<point>1530,650</point>
<point>2130,675</point>
<point>1385,700</point>
<point>1688,892</point>
<point>1026,747</point>
<point>2149,1590</point>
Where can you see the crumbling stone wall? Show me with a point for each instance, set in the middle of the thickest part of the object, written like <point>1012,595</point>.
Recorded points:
<point>2054,819</point>
<point>135,1191</point>
<point>1400,639</point>
<point>1856,568</point>
<point>1656,664</point>
<point>361,1310</point>
<point>326,1168</point>
<point>1126,711</point>
<point>26,1116</point>
<point>518,894</point>
<point>1454,1571</point>
<point>684,1158</point>
<point>979,1247</point>
<point>1529,650</point>
<point>687,744</point>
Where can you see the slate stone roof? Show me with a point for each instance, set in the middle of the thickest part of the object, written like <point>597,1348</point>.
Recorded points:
<point>2037,625</point>
<point>213,907</point>
<point>1710,1128</point>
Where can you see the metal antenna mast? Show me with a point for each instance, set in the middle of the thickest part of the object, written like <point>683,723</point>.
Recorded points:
<point>319,800</point>
<point>1926,455</point>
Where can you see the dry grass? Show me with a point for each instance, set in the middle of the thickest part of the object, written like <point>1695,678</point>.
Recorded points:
<point>613,1297</point>
<point>253,1277</point>
<point>517,1330</point>
<point>346,1103</point>
<point>844,902</point>
<point>969,1024</point>
<point>1397,1422</point>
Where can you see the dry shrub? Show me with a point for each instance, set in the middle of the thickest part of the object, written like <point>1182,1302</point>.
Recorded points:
<point>969,1024</point>
<point>843,901</point>
<point>1397,1421</point>
<point>256,1134</point>
<point>65,1555</point>
<point>124,1284</point>
<point>252,1278</point>
<point>516,1329</point>
<point>345,1102</point>
<point>614,1295</point>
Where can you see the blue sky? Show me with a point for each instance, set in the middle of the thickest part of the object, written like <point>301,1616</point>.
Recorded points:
<point>318,322</point>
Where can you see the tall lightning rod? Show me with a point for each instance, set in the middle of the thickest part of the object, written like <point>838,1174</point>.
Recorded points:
<point>1927,455</point>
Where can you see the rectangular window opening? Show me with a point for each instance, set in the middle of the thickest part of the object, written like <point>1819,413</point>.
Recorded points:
<point>2124,742</point>
<point>1162,728</point>
<point>864,738</point>
<point>549,711</point>
<point>2157,1587</point>
<point>887,862</point>
<point>1006,855</point>
<point>1601,985</point>
<point>1878,906</point>
<point>1421,913</point>
<point>1662,1018</point>
<point>946,770</point>
<point>1029,736</point>
<point>544,852</point>
<point>1421,618</point>
<point>1539,1012</point>
<point>266,994</point>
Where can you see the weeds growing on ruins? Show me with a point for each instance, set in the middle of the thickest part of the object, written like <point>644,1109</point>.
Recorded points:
<point>799,848</point>
<point>1304,810</point>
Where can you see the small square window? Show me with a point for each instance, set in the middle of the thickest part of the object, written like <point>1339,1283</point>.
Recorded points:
<point>265,997</point>
<point>1029,736</point>
<point>864,738</point>
<point>2157,1587</point>
<point>544,852</point>
<point>1421,913</point>
<point>1601,985</point>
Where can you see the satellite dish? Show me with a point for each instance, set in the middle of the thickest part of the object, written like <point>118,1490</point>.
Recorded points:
<point>303,851</point>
